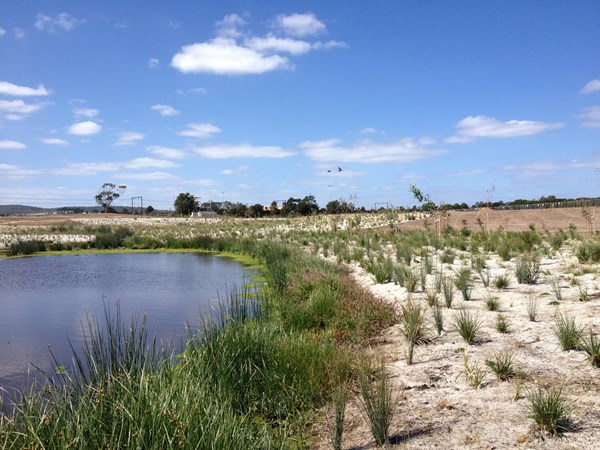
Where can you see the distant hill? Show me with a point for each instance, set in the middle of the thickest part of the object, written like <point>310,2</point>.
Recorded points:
<point>24,210</point>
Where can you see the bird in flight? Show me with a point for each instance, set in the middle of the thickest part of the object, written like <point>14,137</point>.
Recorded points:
<point>339,169</point>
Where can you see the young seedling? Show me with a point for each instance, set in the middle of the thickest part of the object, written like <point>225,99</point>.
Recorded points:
<point>550,410</point>
<point>413,326</point>
<point>467,326</point>
<point>502,365</point>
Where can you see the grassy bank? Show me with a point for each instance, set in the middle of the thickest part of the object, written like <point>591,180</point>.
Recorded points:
<point>250,378</point>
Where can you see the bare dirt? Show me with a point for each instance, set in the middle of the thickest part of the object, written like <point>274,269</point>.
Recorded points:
<point>514,220</point>
<point>438,406</point>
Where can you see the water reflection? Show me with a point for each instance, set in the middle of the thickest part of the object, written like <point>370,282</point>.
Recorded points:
<point>45,299</point>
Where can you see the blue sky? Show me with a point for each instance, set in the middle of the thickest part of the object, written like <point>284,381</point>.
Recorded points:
<point>255,101</point>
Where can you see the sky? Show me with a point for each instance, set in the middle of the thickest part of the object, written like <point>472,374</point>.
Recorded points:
<point>255,101</point>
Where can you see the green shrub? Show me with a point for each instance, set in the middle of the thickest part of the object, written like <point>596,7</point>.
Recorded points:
<point>413,326</point>
<point>527,269</point>
<point>568,332</point>
<point>550,410</point>
<point>467,326</point>
<point>502,365</point>
<point>27,247</point>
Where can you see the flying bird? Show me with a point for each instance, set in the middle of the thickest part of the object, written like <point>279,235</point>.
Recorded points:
<point>339,169</point>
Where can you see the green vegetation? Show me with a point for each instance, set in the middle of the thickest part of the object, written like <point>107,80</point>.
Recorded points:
<point>467,326</point>
<point>550,410</point>
<point>246,380</point>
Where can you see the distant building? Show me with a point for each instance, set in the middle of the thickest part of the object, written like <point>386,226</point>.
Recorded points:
<point>204,214</point>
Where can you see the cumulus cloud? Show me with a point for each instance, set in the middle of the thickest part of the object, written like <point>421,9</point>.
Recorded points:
<point>300,24</point>
<point>86,128</point>
<point>129,138</point>
<point>590,117</point>
<point>242,151</point>
<point>63,20</point>
<point>165,110</point>
<point>400,151</point>
<point>7,88</point>
<point>166,152</point>
<point>592,86</point>
<point>200,130</point>
<point>223,56</point>
<point>12,145</point>
<point>90,113</point>
<point>228,26</point>
<point>18,109</point>
<point>53,141</point>
<point>473,127</point>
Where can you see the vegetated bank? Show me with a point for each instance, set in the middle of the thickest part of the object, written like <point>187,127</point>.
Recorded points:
<point>252,377</point>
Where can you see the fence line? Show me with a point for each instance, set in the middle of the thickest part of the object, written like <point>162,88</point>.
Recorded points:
<point>551,205</point>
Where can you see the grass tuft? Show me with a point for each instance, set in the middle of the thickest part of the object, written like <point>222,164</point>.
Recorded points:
<point>550,410</point>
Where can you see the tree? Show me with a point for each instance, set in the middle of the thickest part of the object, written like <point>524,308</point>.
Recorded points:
<point>108,194</point>
<point>185,204</point>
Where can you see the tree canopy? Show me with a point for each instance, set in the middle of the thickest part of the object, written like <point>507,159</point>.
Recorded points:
<point>108,193</point>
<point>185,204</point>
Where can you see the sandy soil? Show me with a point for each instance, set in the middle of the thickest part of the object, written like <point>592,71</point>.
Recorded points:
<point>520,220</point>
<point>438,406</point>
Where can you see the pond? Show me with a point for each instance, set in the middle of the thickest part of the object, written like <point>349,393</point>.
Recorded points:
<point>44,300</point>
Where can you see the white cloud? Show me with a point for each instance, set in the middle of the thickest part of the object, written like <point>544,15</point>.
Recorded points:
<point>547,166</point>
<point>473,127</point>
<point>153,63</point>
<point>19,33</point>
<point>94,168</point>
<point>592,86</point>
<point>12,145</point>
<point>63,20</point>
<point>13,172</point>
<point>90,113</point>
<point>401,151</point>
<point>53,141</point>
<point>129,138</point>
<point>223,56</point>
<point>242,151</point>
<point>200,130</point>
<point>165,110</point>
<point>142,163</point>
<point>7,88</point>
<point>18,109</point>
<point>86,128</point>
<point>228,27</point>
<point>464,173</point>
<point>300,24</point>
<point>272,43</point>
<point>590,117</point>
<point>166,152</point>
<point>370,130</point>
<point>2,32</point>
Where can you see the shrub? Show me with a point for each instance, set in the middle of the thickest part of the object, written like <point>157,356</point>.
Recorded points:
<point>448,290</point>
<point>467,326</point>
<point>492,302</point>
<point>502,325</point>
<point>28,247</point>
<point>502,282</point>
<point>532,306</point>
<point>527,269</point>
<point>591,346</point>
<point>550,410</point>
<point>413,326</point>
<point>462,281</point>
<point>568,332</point>
<point>502,365</point>
<point>378,402</point>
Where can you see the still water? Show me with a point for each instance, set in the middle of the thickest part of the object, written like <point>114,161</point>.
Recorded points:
<point>45,299</point>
